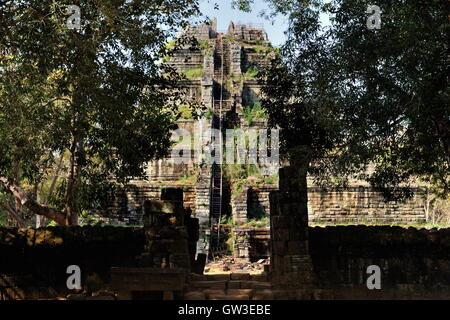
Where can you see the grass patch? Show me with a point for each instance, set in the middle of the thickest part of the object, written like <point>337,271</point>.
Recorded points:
<point>185,112</point>
<point>193,73</point>
<point>190,180</point>
<point>257,223</point>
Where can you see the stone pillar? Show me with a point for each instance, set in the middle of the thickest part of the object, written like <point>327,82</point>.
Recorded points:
<point>291,264</point>
<point>202,200</point>
<point>208,66</point>
<point>235,52</point>
<point>207,91</point>
<point>242,243</point>
<point>166,236</point>
<point>239,207</point>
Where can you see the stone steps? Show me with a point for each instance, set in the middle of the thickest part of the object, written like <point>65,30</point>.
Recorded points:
<point>235,286</point>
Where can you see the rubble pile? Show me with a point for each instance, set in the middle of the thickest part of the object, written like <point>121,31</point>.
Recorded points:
<point>227,264</point>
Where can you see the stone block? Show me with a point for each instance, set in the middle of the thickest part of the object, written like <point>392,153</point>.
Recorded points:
<point>265,294</point>
<point>233,284</point>
<point>213,292</point>
<point>240,291</point>
<point>195,295</point>
<point>231,297</point>
<point>218,277</point>
<point>260,277</point>
<point>209,284</point>
<point>240,276</point>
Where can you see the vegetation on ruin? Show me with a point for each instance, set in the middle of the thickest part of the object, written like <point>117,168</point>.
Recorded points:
<point>185,112</point>
<point>190,179</point>
<point>347,96</point>
<point>254,112</point>
<point>193,73</point>
<point>206,48</point>
<point>263,222</point>
<point>249,175</point>
<point>251,73</point>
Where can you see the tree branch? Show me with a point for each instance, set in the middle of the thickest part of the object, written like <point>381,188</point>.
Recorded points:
<point>13,214</point>
<point>32,205</point>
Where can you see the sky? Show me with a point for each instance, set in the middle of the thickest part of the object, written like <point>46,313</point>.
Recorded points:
<point>226,14</point>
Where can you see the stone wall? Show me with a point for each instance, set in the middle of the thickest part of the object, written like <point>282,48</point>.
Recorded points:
<point>361,204</point>
<point>251,243</point>
<point>347,205</point>
<point>126,206</point>
<point>166,170</point>
<point>414,263</point>
<point>258,201</point>
<point>247,33</point>
<point>251,92</point>
<point>33,263</point>
<point>239,208</point>
<point>350,205</point>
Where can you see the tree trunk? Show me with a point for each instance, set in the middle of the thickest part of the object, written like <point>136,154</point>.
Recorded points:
<point>71,211</point>
<point>40,220</point>
<point>32,205</point>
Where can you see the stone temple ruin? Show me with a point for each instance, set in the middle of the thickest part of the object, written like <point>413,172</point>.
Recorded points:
<point>182,205</point>
<point>220,74</point>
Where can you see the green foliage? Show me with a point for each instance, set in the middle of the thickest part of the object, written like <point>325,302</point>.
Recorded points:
<point>3,218</point>
<point>241,175</point>
<point>171,45</point>
<point>257,223</point>
<point>251,73</point>
<point>227,221</point>
<point>254,112</point>
<point>231,242</point>
<point>193,73</point>
<point>188,179</point>
<point>350,96</point>
<point>90,219</point>
<point>96,95</point>
<point>206,48</point>
<point>243,5</point>
<point>209,113</point>
<point>273,179</point>
<point>185,112</point>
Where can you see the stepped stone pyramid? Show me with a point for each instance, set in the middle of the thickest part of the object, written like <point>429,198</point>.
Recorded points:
<point>221,74</point>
